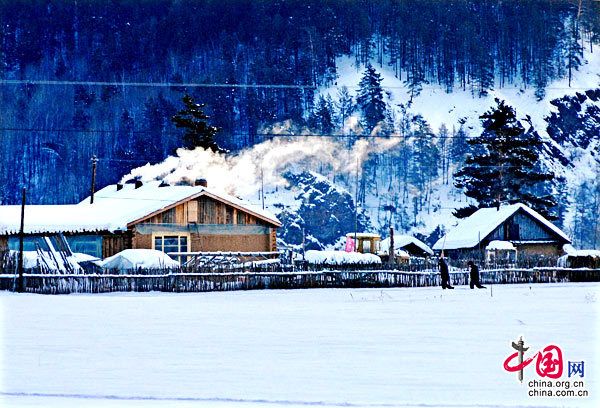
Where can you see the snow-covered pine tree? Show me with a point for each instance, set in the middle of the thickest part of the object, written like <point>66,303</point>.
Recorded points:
<point>574,50</point>
<point>370,98</point>
<point>586,223</point>
<point>324,115</point>
<point>459,147</point>
<point>444,149</point>
<point>345,107</point>
<point>198,133</point>
<point>425,160</point>
<point>505,165</point>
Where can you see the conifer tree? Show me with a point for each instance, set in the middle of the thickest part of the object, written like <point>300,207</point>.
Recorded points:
<point>198,133</point>
<point>324,115</point>
<point>505,165</point>
<point>345,106</point>
<point>370,98</point>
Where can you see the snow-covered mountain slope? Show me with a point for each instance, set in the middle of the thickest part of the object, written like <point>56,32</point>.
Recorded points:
<point>312,182</point>
<point>567,118</point>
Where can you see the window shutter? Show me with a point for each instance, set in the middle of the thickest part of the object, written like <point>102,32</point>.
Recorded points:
<point>192,211</point>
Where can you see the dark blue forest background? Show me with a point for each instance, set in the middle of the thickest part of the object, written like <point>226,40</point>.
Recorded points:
<point>49,132</point>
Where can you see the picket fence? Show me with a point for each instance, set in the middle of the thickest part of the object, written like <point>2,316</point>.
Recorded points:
<point>177,281</point>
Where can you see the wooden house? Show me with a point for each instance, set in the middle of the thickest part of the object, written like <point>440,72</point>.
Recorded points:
<point>408,244</point>
<point>528,231</point>
<point>153,215</point>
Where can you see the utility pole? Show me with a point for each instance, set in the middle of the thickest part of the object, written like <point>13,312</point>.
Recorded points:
<point>356,209</point>
<point>392,250</point>
<point>21,283</point>
<point>93,188</point>
<point>262,188</point>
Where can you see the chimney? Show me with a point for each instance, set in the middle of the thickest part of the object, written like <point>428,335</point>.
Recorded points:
<point>119,186</point>
<point>138,183</point>
<point>201,182</point>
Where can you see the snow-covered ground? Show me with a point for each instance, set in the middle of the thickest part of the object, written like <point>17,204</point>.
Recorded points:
<point>341,347</point>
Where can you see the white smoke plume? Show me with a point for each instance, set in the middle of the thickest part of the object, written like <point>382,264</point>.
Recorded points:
<point>241,173</point>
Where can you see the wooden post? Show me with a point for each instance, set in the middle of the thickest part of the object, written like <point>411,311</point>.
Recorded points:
<point>262,188</point>
<point>356,209</point>
<point>392,250</point>
<point>21,283</point>
<point>93,187</point>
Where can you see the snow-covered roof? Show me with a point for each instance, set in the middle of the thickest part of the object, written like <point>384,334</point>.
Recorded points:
<point>497,245</point>
<point>150,198</point>
<point>114,210</point>
<point>362,235</point>
<point>54,218</point>
<point>483,222</point>
<point>400,241</point>
<point>594,253</point>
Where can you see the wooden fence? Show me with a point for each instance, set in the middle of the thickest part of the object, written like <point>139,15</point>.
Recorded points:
<point>173,281</point>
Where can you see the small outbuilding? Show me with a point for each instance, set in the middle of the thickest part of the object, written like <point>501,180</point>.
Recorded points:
<point>524,228</point>
<point>408,244</point>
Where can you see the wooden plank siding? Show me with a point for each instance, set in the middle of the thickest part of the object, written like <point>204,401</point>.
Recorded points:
<point>114,243</point>
<point>207,211</point>
<point>203,210</point>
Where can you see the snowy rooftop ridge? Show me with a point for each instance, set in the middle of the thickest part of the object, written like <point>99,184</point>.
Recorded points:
<point>150,198</point>
<point>400,241</point>
<point>112,210</point>
<point>469,231</point>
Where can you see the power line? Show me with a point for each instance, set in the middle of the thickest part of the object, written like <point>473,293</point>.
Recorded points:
<point>226,85</point>
<point>258,135</point>
<point>151,84</point>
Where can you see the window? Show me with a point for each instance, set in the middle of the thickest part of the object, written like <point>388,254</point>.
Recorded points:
<point>29,243</point>
<point>59,243</point>
<point>86,244</point>
<point>168,217</point>
<point>241,217</point>
<point>172,243</point>
<point>228,215</point>
<point>514,233</point>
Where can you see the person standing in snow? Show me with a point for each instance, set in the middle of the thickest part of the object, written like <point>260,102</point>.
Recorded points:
<point>445,274</point>
<point>474,275</point>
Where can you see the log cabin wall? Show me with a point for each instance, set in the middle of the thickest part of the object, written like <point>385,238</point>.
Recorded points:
<point>114,243</point>
<point>3,243</point>
<point>230,243</point>
<point>540,249</point>
<point>210,226</point>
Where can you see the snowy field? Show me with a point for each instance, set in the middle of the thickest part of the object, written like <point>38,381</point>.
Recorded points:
<point>420,347</point>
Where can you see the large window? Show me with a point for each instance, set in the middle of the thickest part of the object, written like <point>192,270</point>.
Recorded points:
<point>30,243</point>
<point>86,244</point>
<point>172,243</point>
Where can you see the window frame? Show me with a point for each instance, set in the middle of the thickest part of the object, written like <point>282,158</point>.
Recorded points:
<point>179,235</point>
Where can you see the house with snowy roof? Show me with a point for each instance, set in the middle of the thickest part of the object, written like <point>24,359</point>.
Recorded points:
<point>408,244</point>
<point>153,215</point>
<point>527,230</point>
